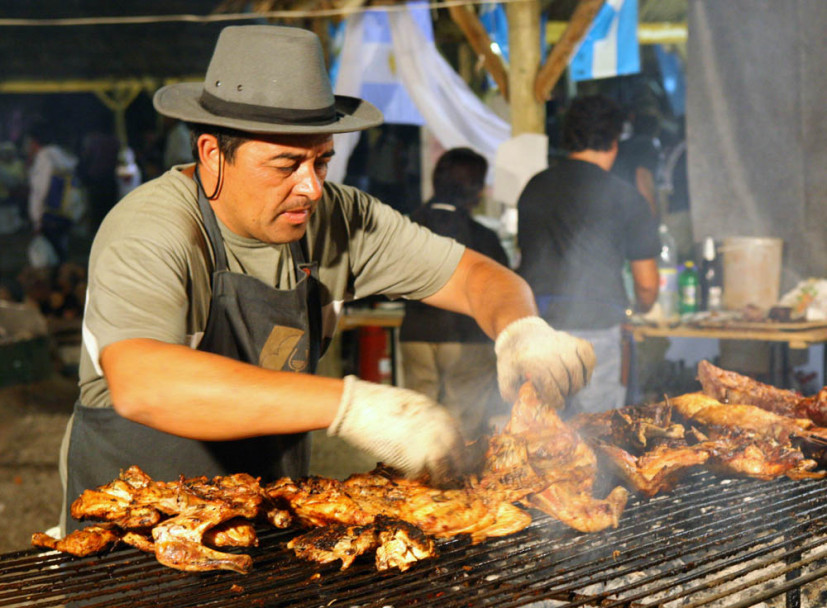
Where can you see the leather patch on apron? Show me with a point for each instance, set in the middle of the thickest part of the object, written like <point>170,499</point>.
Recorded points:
<point>282,350</point>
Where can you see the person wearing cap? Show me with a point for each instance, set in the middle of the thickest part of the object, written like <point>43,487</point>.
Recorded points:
<point>211,286</point>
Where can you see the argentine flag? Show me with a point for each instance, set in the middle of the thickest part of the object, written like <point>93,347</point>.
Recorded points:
<point>610,47</point>
<point>380,82</point>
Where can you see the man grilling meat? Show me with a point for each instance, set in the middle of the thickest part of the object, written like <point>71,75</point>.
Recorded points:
<point>213,285</point>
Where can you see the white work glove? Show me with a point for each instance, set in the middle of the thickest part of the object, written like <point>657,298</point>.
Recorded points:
<point>402,428</point>
<point>556,363</point>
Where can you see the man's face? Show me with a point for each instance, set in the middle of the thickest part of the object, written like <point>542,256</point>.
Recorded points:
<point>271,188</point>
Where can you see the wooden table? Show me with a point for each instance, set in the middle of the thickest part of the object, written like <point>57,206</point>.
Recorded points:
<point>784,336</point>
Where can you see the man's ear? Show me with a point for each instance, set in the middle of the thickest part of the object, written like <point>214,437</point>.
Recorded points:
<point>209,156</point>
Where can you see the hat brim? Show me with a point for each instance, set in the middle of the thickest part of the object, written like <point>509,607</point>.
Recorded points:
<point>181,101</point>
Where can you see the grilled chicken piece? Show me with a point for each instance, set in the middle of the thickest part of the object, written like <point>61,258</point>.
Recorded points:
<point>633,427</point>
<point>179,541</point>
<point>359,499</point>
<point>86,541</point>
<point>326,544</point>
<point>736,418</point>
<point>238,532</point>
<point>579,510</point>
<point>557,467</point>
<point>317,501</point>
<point>759,458</point>
<point>398,544</point>
<point>212,511</point>
<point>401,545</point>
<point>139,541</point>
<point>814,408</point>
<point>657,470</point>
<point>508,473</point>
<point>730,387</point>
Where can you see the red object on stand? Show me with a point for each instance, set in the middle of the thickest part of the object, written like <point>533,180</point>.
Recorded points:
<point>374,360</point>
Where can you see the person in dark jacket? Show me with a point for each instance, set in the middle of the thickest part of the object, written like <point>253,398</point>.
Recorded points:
<point>445,355</point>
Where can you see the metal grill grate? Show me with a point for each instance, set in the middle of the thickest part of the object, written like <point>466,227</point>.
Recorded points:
<point>710,543</point>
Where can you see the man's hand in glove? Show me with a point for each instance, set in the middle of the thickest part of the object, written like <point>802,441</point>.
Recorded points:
<point>557,364</point>
<point>402,428</point>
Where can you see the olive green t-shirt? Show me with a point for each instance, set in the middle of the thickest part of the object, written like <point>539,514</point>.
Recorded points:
<point>151,264</point>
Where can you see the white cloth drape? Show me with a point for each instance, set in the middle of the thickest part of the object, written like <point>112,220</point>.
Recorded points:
<point>452,112</point>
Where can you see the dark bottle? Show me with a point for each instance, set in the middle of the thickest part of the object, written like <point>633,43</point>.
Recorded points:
<point>710,276</point>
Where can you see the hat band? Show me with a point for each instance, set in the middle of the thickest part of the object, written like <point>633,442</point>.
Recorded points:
<point>248,111</point>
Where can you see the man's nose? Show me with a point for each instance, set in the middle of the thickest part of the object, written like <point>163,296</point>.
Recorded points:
<point>308,182</point>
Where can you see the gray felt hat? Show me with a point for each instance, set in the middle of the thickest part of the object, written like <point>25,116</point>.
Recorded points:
<point>267,79</point>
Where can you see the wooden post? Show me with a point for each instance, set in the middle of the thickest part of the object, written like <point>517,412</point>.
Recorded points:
<point>479,40</point>
<point>563,50</point>
<point>527,114</point>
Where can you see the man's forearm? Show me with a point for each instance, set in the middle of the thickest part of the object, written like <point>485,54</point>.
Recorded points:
<point>487,291</point>
<point>204,396</point>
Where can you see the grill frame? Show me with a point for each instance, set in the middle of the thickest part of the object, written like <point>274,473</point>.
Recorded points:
<point>700,542</point>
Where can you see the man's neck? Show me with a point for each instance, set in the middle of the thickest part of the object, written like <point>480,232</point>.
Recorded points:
<point>602,158</point>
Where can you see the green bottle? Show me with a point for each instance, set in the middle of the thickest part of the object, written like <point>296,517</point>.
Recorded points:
<point>688,289</point>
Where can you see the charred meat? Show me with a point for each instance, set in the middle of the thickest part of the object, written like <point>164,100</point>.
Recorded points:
<point>397,544</point>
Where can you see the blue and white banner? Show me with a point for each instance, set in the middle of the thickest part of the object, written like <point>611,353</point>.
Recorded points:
<point>610,48</point>
<point>381,84</point>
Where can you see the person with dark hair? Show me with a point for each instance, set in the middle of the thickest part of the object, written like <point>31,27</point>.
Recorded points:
<point>578,225</point>
<point>446,355</point>
<point>55,201</point>
<point>640,155</point>
<point>214,289</point>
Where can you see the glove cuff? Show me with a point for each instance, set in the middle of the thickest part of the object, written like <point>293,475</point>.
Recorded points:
<point>518,327</point>
<point>344,406</point>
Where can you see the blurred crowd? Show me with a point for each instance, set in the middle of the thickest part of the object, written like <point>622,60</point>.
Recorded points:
<point>53,195</point>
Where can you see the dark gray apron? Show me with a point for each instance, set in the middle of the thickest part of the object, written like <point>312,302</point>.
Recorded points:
<point>248,321</point>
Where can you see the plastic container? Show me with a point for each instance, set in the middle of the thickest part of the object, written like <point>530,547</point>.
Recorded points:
<point>752,271</point>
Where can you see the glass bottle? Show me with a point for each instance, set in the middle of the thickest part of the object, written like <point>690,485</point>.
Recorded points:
<point>688,289</point>
<point>668,269</point>
<point>710,276</point>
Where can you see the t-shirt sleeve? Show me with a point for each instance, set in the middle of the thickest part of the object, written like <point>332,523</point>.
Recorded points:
<point>137,288</point>
<point>393,256</point>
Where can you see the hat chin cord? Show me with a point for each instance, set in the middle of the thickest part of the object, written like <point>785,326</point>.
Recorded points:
<point>218,184</point>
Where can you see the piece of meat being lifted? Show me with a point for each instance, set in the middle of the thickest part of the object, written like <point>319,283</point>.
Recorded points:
<point>545,464</point>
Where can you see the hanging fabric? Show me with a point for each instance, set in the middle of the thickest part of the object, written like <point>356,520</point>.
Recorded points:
<point>450,109</point>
